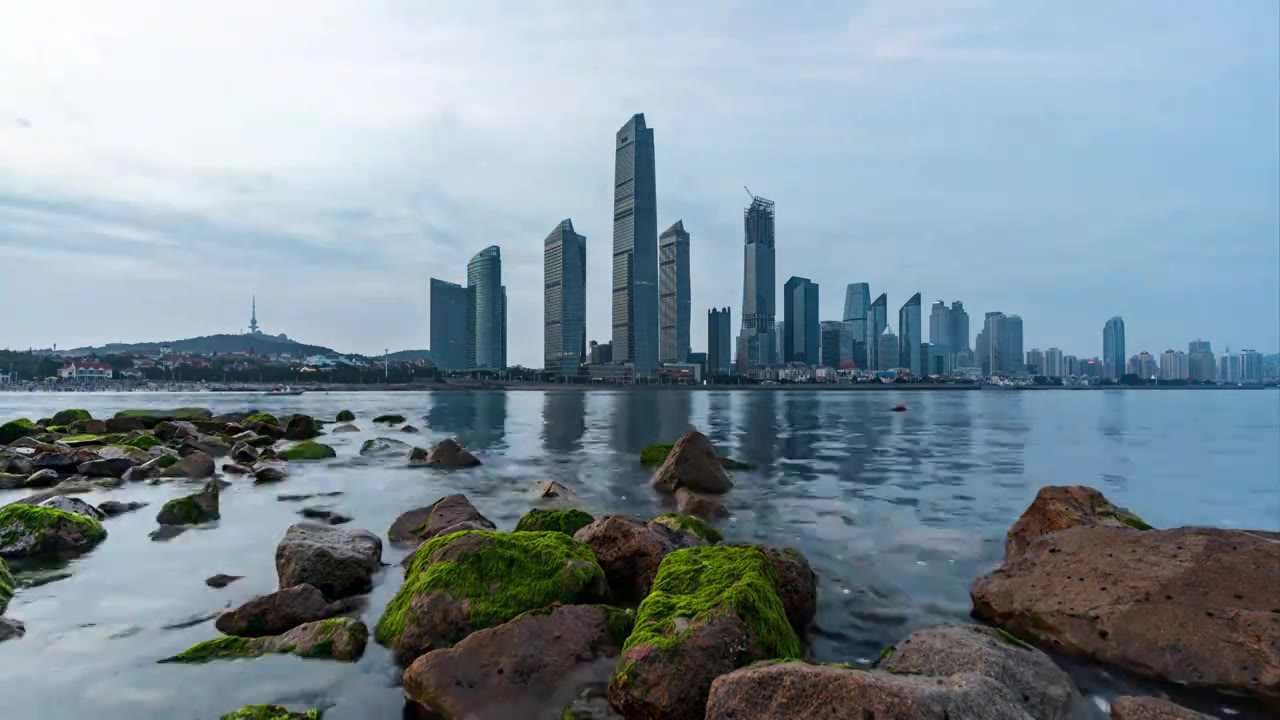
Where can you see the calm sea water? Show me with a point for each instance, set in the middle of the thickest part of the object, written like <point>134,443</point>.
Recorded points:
<point>898,512</point>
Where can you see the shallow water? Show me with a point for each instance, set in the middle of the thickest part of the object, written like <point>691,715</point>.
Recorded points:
<point>898,512</point>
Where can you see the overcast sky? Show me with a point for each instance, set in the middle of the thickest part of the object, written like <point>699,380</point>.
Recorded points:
<point>161,161</point>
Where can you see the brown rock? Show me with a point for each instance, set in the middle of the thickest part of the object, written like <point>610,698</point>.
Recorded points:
<point>689,502</point>
<point>630,551</point>
<point>115,467</point>
<point>1193,606</point>
<point>278,612</point>
<point>243,452</point>
<point>267,471</point>
<point>693,464</point>
<point>235,469</point>
<point>1130,707</point>
<point>502,672</point>
<point>797,584</point>
<point>221,580</point>
<point>195,465</point>
<point>340,563</point>
<point>550,489</point>
<point>448,453</point>
<point>124,424</point>
<point>421,524</point>
<point>272,431</point>
<point>42,479</point>
<point>1062,507</point>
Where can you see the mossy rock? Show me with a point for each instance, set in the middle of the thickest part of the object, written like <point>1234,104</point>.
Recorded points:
<point>690,524</point>
<point>144,442</point>
<point>392,419</point>
<point>27,530</point>
<point>194,509</point>
<point>565,521</point>
<point>60,429</point>
<point>82,440</point>
<point>185,413</point>
<point>309,450</point>
<point>339,638</point>
<point>301,427</point>
<point>166,461</point>
<point>262,417</point>
<point>6,586</point>
<point>270,712</point>
<point>66,417</point>
<point>15,429</point>
<point>345,416</point>
<point>655,454</point>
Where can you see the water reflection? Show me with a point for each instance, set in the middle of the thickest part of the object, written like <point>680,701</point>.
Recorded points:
<point>564,421</point>
<point>478,419</point>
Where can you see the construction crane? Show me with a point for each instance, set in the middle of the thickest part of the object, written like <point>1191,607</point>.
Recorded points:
<point>753,195</point>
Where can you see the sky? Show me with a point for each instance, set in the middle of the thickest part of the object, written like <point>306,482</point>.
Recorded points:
<point>161,162</point>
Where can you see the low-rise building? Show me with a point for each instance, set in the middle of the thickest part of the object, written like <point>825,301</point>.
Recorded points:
<point>85,371</point>
<point>612,373</point>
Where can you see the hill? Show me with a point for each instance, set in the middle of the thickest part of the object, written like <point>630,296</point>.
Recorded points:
<point>409,355</point>
<point>209,345</point>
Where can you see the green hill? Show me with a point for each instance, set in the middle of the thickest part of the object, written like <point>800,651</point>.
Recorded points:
<point>209,345</point>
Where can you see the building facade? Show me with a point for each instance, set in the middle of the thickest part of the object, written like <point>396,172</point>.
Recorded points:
<point>909,336</point>
<point>837,344</point>
<point>1250,367</point>
<point>756,343</point>
<point>1113,357</point>
<point>673,294</point>
<point>1142,365</point>
<point>887,351</point>
<point>1035,361</point>
<point>877,322</point>
<point>958,320</point>
<point>486,311</point>
<point>564,300</point>
<point>1202,365</point>
<point>719,341</point>
<point>857,303</point>
<point>448,325</point>
<point>600,353</point>
<point>1052,363</point>
<point>800,312</point>
<point>82,370</point>
<point>635,248</point>
<point>1174,365</point>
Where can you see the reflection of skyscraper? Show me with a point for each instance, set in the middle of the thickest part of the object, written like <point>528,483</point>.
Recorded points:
<point>877,321</point>
<point>909,336</point>
<point>857,303</point>
<point>563,421</point>
<point>448,325</point>
<point>1113,357</point>
<point>719,336</point>
<point>673,294</point>
<point>756,343</point>
<point>635,248</point>
<point>564,314</point>
<point>800,311</point>
<point>486,307</point>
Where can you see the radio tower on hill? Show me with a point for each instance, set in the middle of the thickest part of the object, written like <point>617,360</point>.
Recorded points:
<point>253,318</point>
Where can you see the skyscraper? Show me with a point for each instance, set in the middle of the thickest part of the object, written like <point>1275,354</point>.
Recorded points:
<point>837,343</point>
<point>1174,365</point>
<point>1201,364</point>
<point>719,337</point>
<point>756,343</point>
<point>800,311</point>
<point>1113,357</point>
<point>940,327</point>
<point>673,294</point>
<point>564,300</point>
<point>857,303</point>
<point>1250,366</point>
<point>887,350</point>
<point>909,321</point>
<point>635,248</point>
<point>877,321</point>
<point>1052,363</point>
<point>486,311</point>
<point>1036,361</point>
<point>1011,344</point>
<point>959,321</point>
<point>448,325</point>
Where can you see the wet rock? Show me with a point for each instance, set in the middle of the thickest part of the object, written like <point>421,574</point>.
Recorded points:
<point>112,508</point>
<point>390,419</point>
<point>265,429</point>
<point>12,482</point>
<point>693,464</point>
<point>16,465</point>
<point>460,583</point>
<point>489,674</point>
<point>630,551</point>
<point>550,489</point>
<point>193,509</point>
<point>689,525</point>
<point>345,416</point>
<point>125,424</point>
<point>346,428</point>
<point>797,584</point>
<point>1058,508</point>
<point>196,465</point>
<point>301,427</point>
<point>137,473</point>
<point>712,610</point>
<point>565,521</point>
<point>699,504</point>
<point>10,629</point>
<point>383,447</point>
<point>6,586</point>
<point>244,436</point>
<point>42,479</point>
<point>409,429</point>
<point>308,450</point>
<point>167,532</point>
<point>27,530</point>
<point>72,505</point>
<point>421,524</point>
<point>236,469</point>
<point>324,515</point>
<point>114,452</point>
<point>337,638</point>
<point>175,431</point>
<point>243,452</point>
<point>115,467</point>
<point>340,563</point>
<point>69,416</point>
<point>1131,707</point>
<point>63,462</point>
<point>266,471</point>
<point>210,445</point>
<point>449,454</point>
<point>221,580</point>
<point>417,456</point>
<point>270,712</point>
<point>278,612</point>
<point>161,462</point>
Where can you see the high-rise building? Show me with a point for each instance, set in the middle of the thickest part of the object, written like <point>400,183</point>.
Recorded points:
<point>1142,365</point>
<point>877,321</point>
<point>1035,362</point>
<point>1250,367</point>
<point>635,248</point>
<point>837,343</point>
<point>1229,367</point>
<point>940,326</point>
<point>756,344</point>
<point>909,328</point>
<point>857,303</point>
<point>719,337</point>
<point>1113,357</point>
<point>887,350</point>
<point>486,311</point>
<point>564,298</point>
<point>959,321</point>
<point>673,294</point>
<point>780,339</point>
<point>1000,344</point>
<point>988,359</point>
<point>503,355</point>
<point>965,359</point>
<point>1070,366</point>
<point>1012,344</point>
<point>601,353</point>
<point>1200,361</point>
<point>448,325</point>
<point>800,312</point>
<point>1052,363</point>
<point>1174,365</point>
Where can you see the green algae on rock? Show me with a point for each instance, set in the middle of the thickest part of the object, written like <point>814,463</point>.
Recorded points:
<point>6,586</point>
<point>270,712</point>
<point>337,638</point>
<point>192,509</point>
<point>309,450</point>
<point>30,530</point>
<point>66,417</point>
<point>301,427</point>
<point>657,453</point>
<point>14,429</point>
<point>263,417</point>
<point>145,441</point>
<point>565,521</point>
<point>345,416</point>
<point>690,524</point>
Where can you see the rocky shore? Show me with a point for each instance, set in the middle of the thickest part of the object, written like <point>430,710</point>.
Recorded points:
<point>661,618</point>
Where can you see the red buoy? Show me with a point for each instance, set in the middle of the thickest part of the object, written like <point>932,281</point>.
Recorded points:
<point>899,408</point>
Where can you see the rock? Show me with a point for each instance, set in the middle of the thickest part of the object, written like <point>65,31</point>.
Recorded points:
<point>270,712</point>
<point>712,610</point>
<point>346,428</point>
<point>448,453</point>
<point>463,582</point>
<point>565,521</point>
<point>10,629</point>
<point>389,419</point>
<point>337,638</point>
<point>194,509</point>
<point>66,417</point>
<point>1130,707</point>
<point>134,474</point>
<point>112,508</point>
<point>797,584</point>
<point>548,489</point>
<point>243,452</point>
<point>72,505</point>
<point>161,462</point>
<point>590,704</point>
<point>417,456</point>
<point>126,452</point>
<point>221,580</point>
<point>63,462</point>
<point>210,445</point>
<point>244,436</point>
<point>6,586</point>
<point>690,525</point>
<point>1192,606</point>
<point>175,431</point>
<point>89,427</point>
<point>699,504</point>
<point>268,430</point>
<point>27,530</point>
<point>422,524</point>
<point>340,563</point>
<point>324,515</point>
<point>1058,508</point>
<point>383,447</point>
<point>345,416</point>
<point>166,532</point>
<point>16,465</point>
<point>42,479</point>
<point>12,482</point>
<point>409,429</point>
<point>196,465</point>
<point>1043,690</point>
<point>125,424</point>
<point>630,551</point>
<point>489,674</point>
<point>278,612</point>
<point>115,467</point>
<point>265,471</point>
<point>301,427</point>
<point>309,450</point>
<point>267,453</point>
<point>14,429</point>
<point>236,469</point>
<point>692,463</point>
<point>260,417</point>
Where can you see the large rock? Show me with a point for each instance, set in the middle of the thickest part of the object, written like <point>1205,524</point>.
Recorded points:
<point>631,550</point>
<point>1058,507</point>
<point>14,429</point>
<point>278,612</point>
<point>267,471</point>
<point>490,674</point>
<point>6,586</point>
<point>422,524</point>
<point>463,582</point>
<point>210,445</point>
<point>567,521</point>
<point>27,530</point>
<point>345,428</point>
<point>193,509</point>
<point>125,424</point>
<point>196,465</point>
<point>43,479</point>
<point>340,563</point>
<point>345,416</point>
<point>301,427</point>
<point>243,452</point>
<point>448,453</point>
<point>1193,606</point>
<point>384,447</point>
<point>16,465</point>
<point>10,629</point>
<point>712,610</point>
<point>118,452</point>
<point>175,431</point>
<point>63,462</point>
<point>266,429</point>
<point>699,504</point>
<point>114,467</point>
<point>1131,707</point>
<point>72,505</point>
<point>337,638</point>
<point>693,464</point>
<point>797,584</point>
<point>309,450</point>
<point>112,508</point>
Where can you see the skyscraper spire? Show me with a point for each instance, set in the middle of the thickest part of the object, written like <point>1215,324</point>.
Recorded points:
<point>253,318</point>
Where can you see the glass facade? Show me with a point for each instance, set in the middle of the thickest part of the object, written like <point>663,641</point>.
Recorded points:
<point>564,298</point>
<point>635,248</point>
<point>486,311</point>
<point>909,336</point>
<point>837,343</point>
<point>673,294</point>
<point>800,312</point>
<point>758,288</point>
<point>719,337</point>
<point>877,321</point>
<point>448,325</point>
<point>857,303</point>
<point>1113,357</point>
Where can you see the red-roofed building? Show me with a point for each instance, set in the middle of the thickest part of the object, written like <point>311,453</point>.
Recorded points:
<point>85,370</point>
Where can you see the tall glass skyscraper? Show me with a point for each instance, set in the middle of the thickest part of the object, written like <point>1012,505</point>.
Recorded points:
<point>837,343</point>
<point>959,321</point>
<point>673,294</point>
<point>448,325</point>
<point>486,311</point>
<point>756,344</point>
<point>719,341</point>
<point>635,248</point>
<point>877,321</point>
<point>564,298</point>
<point>1113,357</point>
<point>909,320</point>
<point>857,303</point>
<point>800,312</point>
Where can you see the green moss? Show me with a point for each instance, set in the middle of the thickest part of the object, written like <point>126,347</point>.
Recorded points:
<point>1136,523</point>
<point>14,429</point>
<point>187,413</point>
<point>689,523</point>
<point>66,417</point>
<point>699,583</point>
<point>565,521</point>
<point>17,521</point>
<point>135,413</point>
<point>345,416</point>
<point>309,450</point>
<point>620,622</point>
<point>270,712</point>
<point>1012,639</point>
<point>655,454</point>
<point>185,511</point>
<point>885,652</point>
<point>6,586</point>
<point>323,646</point>
<point>223,647</point>
<point>393,419</point>
<point>262,417</point>
<point>144,442</point>
<point>82,439</point>
<point>192,413</point>
<point>166,460</point>
<point>516,573</point>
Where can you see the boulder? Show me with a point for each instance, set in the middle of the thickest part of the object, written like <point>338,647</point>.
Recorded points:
<point>16,465</point>
<point>14,429</point>
<point>12,482</point>
<point>266,471</point>
<point>383,447</point>
<point>1192,606</point>
<point>193,509</point>
<point>550,489</point>
<point>221,580</point>
<point>693,464</point>
<point>114,467</point>
<point>175,431</point>
<point>1131,707</point>
<point>125,424</point>
<point>6,586</point>
<point>390,419</point>
<point>346,428</point>
<point>260,417</point>
<point>211,445</point>
<point>345,416</point>
<point>409,429</point>
<point>565,521</point>
<point>1058,508</point>
<point>691,525</point>
<point>122,452</point>
<point>340,563</point>
<point>324,515</point>
<point>699,504</point>
<point>167,532</point>
<point>301,427</point>
<point>308,450</point>
<point>112,508</point>
<point>630,551</point>
<point>67,417</point>
<point>196,465</point>
<point>72,505</point>
<point>270,712</point>
<point>27,530</point>
<point>797,584</point>
<point>278,612</point>
<point>463,582</point>
<point>422,524</point>
<point>337,638</point>
<point>712,610</point>
<point>243,452</point>
<point>42,479</point>
<point>244,436</point>
<point>448,453</point>
<point>269,430</point>
<point>10,629</point>
<point>89,427</point>
<point>135,474</point>
<point>236,469</point>
<point>63,462</point>
<point>417,456</point>
<point>489,674</point>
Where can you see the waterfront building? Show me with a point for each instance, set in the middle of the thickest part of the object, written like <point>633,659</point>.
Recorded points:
<point>1052,363</point>
<point>1203,367</point>
<point>837,344</point>
<point>1113,357</point>
<point>800,313</point>
<point>1229,368</point>
<point>1035,362</point>
<point>601,353</point>
<point>635,248</point>
<point>1250,367</point>
<point>448,325</point>
<point>909,328</point>
<point>756,343</point>
<point>1142,365</point>
<point>877,322</point>
<point>887,351</point>
<point>1070,366</point>
<point>85,370</point>
<point>857,305</point>
<point>564,313</point>
<point>1174,365</point>
<point>674,305</point>
<point>958,320</point>
<point>719,336</point>
<point>486,311</point>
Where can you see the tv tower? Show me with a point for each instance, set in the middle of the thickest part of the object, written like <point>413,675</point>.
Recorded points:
<point>253,318</point>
